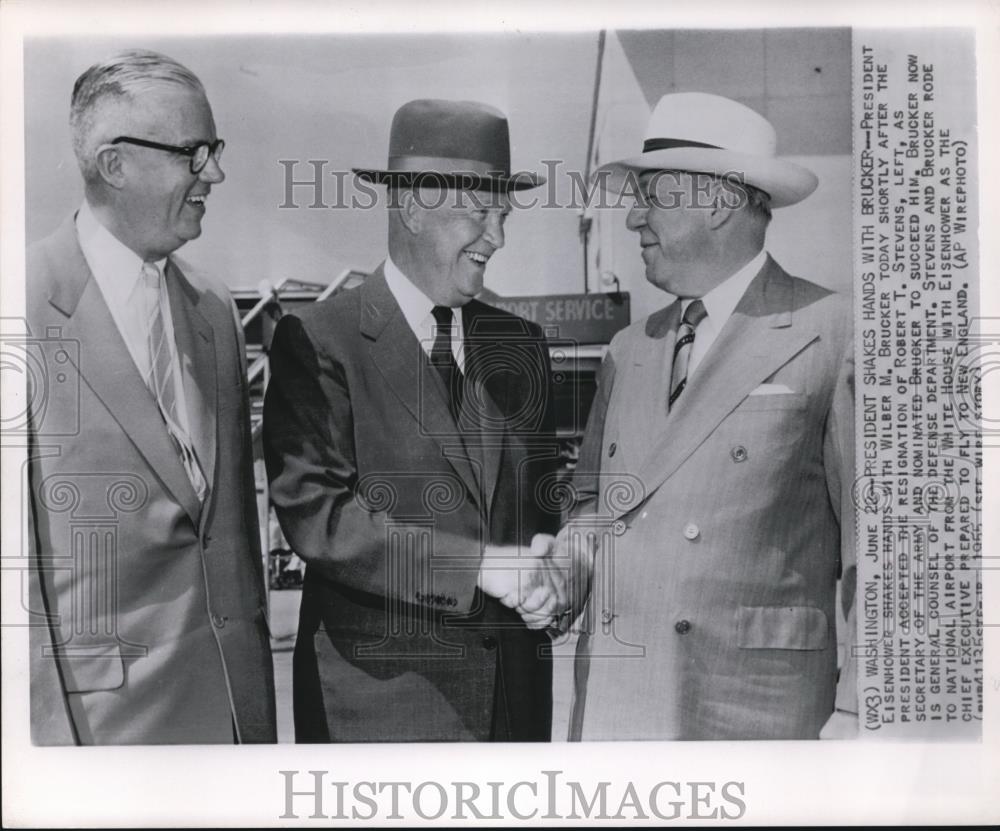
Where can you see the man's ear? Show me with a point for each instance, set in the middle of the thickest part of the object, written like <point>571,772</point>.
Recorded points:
<point>725,201</point>
<point>110,166</point>
<point>410,212</point>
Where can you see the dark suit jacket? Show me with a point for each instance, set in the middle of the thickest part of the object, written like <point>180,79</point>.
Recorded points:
<point>390,505</point>
<point>150,607</point>
<point>712,614</point>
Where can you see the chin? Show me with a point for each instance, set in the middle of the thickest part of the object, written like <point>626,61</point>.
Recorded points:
<point>189,234</point>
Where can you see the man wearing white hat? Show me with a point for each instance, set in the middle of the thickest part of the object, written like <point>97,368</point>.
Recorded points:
<point>713,611</point>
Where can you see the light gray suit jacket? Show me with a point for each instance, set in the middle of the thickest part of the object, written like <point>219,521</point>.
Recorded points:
<point>725,525</point>
<point>148,606</point>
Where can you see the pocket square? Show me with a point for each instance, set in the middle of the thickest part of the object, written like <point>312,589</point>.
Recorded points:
<point>772,389</point>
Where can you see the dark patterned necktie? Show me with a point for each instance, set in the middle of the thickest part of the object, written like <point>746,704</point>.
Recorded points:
<point>443,359</point>
<point>693,315</point>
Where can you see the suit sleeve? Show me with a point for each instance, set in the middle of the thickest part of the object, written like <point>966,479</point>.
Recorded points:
<point>313,473</point>
<point>838,451</point>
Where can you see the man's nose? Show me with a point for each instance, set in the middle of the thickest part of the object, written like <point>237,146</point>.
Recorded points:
<point>636,218</point>
<point>494,231</point>
<point>212,172</point>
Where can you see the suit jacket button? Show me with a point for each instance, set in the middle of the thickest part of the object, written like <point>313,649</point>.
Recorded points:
<point>691,531</point>
<point>219,621</point>
<point>619,527</point>
<point>682,627</point>
<point>612,449</point>
<point>739,453</point>
<point>489,642</point>
<point>606,616</point>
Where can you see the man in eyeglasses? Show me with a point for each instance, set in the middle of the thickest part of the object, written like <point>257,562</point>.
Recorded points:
<point>147,585</point>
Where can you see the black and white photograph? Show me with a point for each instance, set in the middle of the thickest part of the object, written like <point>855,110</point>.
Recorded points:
<point>548,419</point>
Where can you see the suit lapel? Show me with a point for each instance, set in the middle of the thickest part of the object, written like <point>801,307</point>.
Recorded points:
<point>758,339</point>
<point>491,393</point>
<point>647,382</point>
<point>400,359</point>
<point>196,352</point>
<point>106,366</point>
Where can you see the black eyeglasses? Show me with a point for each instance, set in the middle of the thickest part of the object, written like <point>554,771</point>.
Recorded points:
<point>199,153</point>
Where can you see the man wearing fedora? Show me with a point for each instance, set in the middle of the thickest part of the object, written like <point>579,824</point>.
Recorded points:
<point>407,429</point>
<point>713,613</point>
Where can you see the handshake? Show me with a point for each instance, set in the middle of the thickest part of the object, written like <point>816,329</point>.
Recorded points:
<point>546,585</point>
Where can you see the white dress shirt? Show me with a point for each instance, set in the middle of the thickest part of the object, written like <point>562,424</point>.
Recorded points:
<point>417,307</point>
<point>720,303</point>
<point>118,272</point>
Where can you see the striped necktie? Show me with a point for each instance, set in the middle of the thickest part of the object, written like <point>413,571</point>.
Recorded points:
<point>160,378</point>
<point>693,315</point>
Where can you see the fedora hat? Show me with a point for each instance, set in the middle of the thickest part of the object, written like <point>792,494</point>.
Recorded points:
<point>450,144</point>
<point>700,133</point>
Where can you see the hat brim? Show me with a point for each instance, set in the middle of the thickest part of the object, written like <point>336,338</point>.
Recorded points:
<point>784,181</point>
<point>450,181</point>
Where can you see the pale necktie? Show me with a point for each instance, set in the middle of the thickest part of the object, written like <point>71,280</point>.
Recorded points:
<point>693,315</point>
<point>160,378</point>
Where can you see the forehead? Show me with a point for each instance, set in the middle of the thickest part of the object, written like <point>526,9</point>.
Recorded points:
<point>486,200</point>
<point>171,112</point>
<point>658,180</point>
<point>454,205</point>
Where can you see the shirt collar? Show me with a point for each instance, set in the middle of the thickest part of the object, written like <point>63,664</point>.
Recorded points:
<point>722,300</point>
<point>415,304</point>
<point>116,267</point>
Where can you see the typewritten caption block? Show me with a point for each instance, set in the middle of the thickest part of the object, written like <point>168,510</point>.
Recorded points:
<point>919,442</point>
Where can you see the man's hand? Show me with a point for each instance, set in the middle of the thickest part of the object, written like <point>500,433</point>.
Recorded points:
<point>575,550</point>
<point>529,582</point>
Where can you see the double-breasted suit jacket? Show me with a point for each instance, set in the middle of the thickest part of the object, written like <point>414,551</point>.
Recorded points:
<point>148,605</point>
<point>727,522</point>
<point>390,503</point>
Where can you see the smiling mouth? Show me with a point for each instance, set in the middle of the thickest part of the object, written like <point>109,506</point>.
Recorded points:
<point>198,200</point>
<point>476,257</point>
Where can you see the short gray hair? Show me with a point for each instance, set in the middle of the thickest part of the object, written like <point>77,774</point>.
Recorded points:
<point>122,76</point>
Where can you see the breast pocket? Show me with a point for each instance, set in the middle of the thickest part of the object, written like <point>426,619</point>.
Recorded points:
<point>773,429</point>
<point>773,401</point>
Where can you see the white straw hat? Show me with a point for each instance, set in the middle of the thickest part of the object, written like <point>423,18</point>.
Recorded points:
<point>701,133</point>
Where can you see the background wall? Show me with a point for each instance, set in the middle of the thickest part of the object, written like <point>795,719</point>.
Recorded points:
<point>332,98</point>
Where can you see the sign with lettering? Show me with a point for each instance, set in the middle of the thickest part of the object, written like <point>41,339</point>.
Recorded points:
<point>583,318</point>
